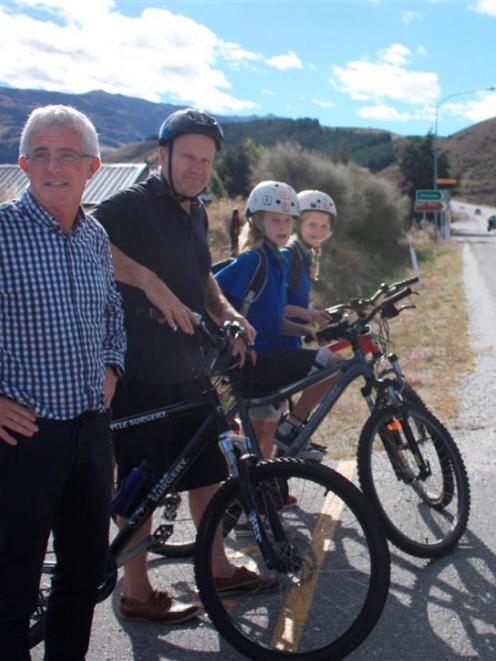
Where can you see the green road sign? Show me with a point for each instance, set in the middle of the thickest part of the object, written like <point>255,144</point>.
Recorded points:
<point>430,195</point>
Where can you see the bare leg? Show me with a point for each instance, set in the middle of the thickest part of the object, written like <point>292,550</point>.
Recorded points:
<point>198,501</point>
<point>264,430</point>
<point>311,397</point>
<point>136,582</point>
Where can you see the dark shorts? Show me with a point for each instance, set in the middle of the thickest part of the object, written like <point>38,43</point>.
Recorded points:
<point>276,368</point>
<point>161,442</point>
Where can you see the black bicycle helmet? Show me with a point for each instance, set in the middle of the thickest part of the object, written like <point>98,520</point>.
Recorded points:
<point>189,120</point>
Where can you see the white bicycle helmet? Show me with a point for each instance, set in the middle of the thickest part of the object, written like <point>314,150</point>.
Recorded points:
<point>273,196</point>
<point>315,200</point>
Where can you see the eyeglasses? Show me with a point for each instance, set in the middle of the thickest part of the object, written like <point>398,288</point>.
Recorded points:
<point>63,157</point>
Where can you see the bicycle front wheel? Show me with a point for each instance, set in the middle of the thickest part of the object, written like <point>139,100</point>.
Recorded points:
<point>336,580</point>
<point>425,508</point>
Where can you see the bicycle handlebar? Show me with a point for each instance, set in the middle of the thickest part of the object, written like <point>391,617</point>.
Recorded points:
<point>342,328</point>
<point>223,336</point>
<point>391,300</point>
<point>386,289</point>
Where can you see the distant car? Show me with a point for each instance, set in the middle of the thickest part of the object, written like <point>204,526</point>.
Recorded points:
<point>491,223</point>
<point>477,212</point>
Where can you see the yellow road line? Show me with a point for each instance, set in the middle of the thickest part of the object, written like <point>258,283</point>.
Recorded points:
<point>291,622</point>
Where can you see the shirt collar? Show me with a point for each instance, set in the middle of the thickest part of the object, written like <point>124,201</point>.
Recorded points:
<point>161,189</point>
<point>40,215</point>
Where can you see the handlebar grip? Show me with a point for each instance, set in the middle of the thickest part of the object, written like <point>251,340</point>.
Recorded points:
<point>403,293</point>
<point>327,334</point>
<point>336,312</point>
<point>405,283</point>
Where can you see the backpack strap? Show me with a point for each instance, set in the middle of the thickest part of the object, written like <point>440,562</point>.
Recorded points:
<point>218,266</point>
<point>257,282</point>
<point>298,259</point>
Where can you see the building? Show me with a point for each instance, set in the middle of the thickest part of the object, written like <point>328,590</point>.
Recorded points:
<point>108,179</point>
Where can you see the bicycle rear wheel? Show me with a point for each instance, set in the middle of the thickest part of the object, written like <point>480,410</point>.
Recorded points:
<point>36,631</point>
<point>336,582</point>
<point>424,514</point>
<point>37,618</point>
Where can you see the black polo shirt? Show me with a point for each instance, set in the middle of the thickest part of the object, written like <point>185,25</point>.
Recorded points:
<point>150,226</point>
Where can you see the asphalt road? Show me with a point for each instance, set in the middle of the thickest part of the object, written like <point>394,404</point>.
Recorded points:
<point>437,610</point>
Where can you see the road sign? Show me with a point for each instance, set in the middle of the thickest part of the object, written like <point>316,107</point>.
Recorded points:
<point>430,195</point>
<point>429,206</point>
<point>446,181</point>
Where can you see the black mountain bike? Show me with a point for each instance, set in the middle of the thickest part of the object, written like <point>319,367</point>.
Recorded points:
<point>329,553</point>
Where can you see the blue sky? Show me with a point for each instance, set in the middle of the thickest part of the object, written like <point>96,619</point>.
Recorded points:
<point>374,63</point>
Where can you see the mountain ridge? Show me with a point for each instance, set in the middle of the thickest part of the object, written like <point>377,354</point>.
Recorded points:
<point>128,127</point>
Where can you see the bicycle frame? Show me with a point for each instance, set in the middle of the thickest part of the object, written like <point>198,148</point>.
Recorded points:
<point>239,454</point>
<point>213,423</point>
<point>349,370</point>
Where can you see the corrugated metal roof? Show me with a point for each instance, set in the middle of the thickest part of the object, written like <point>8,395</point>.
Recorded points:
<point>108,179</point>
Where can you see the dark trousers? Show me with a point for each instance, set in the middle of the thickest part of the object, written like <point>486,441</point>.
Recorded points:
<point>59,480</point>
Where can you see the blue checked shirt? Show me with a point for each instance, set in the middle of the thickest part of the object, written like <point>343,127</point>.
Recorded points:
<point>61,318</point>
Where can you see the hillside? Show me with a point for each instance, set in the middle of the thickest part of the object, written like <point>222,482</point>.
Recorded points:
<point>127,127</point>
<point>119,119</point>
<point>122,120</point>
<point>472,153</point>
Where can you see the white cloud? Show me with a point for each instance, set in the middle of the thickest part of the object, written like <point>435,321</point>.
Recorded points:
<point>384,112</point>
<point>323,103</point>
<point>268,92</point>
<point>288,61</point>
<point>476,110</point>
<point>485,7</point>
<point>386,78</point>
<point>421,50</point>
<point>90,45</point>
<point>410,16</point>
<point>397,54</point>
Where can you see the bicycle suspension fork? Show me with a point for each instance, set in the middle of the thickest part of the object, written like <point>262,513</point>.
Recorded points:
<point>241,461</point>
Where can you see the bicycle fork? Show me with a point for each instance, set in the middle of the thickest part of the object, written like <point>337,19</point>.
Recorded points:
<point>256,502</point>
<point>393,435</point>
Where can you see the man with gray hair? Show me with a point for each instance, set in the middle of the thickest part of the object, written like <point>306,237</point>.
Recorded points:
<point>62,346</point>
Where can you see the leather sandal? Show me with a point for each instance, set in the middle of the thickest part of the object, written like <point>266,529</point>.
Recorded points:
<point>244,581</point>
<point>159,607</point>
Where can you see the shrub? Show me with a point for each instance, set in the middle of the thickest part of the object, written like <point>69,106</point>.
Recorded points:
<point>372,213</point>
<point>368,243</point>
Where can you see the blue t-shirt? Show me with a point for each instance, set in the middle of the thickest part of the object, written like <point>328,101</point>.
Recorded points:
<point>266,314</point>
<point>300,294</point>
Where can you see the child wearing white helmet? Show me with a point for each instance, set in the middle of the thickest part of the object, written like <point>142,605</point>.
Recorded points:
<point>271,210</point>
<point>317,220</point>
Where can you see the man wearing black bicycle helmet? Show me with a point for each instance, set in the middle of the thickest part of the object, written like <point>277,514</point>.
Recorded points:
<point>185,122</point>
<point>158,231</point>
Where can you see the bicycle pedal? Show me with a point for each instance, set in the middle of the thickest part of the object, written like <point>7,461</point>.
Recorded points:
<point>162,534</point>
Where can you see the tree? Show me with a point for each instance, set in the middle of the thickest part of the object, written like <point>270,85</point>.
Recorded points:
<point>234,167</point>
<point>416,165</point>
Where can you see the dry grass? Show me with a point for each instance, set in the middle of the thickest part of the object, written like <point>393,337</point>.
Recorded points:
<point>431,342</point>
<point>219,217</point>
